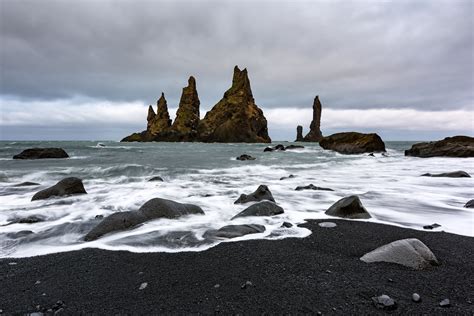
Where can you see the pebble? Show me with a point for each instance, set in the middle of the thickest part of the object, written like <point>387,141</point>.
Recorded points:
<point>327,224</point>
<point>416,297</point>
<point>217,286</point>
<point>37,282</point>
<point>246,284</point>
<point>432,226</point>
<point>384,302</point>
<point>143,286</point>
<point>445,303</point>
<point>12,263</point>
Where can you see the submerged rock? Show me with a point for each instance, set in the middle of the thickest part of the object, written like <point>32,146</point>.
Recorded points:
<point>454,174</point>
<point>262,193</point>
<point>67,186</point>
<point>25,184</point>
<point>457,146</point>
<point>410,252</point>
<point>289,177</point>
<point>153,209</point>
<point>265,208</point>
<point>20,234</point>
<point>157,178</point>
<point>312,187</point>
<point>32,219</point>
<point>233,231</point>
<point>281,147</point>
<point>41,153</point>
<point>353,143</point>
<point>245,157</point>
<point>348,207</point>
<point>315,134</point>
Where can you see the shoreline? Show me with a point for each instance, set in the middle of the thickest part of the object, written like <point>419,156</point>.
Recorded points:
<point>319,273</point>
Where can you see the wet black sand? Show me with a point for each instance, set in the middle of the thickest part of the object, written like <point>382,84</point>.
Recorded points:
<point>320,273</point>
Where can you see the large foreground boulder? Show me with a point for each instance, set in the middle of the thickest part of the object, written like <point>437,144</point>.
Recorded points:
<point>41,153</point>
<point>454,174</point>
<point>265,208</point>
<point>410,252</point>
<point>353,143</point>
<point>469,204</point>
<point>153,209</point>
<point>67,186</point>
<point>234,231</point>
<point>348,207</point>
<point>262,193</point>
<point>457,146</point>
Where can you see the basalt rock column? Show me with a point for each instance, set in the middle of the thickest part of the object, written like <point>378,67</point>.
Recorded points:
<point>314,134</point>
<point>299,134</point>
<point>185,126</point>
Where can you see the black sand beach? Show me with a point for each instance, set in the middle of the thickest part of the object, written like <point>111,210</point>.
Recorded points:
<point>320,273</point>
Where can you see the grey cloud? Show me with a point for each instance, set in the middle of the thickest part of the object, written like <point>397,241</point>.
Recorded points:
<point>354,54</point>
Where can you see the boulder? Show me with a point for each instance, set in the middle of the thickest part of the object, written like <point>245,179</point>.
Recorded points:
<point>312,187</point>
<point>235,118</point>
<point>265,208</point>
<point>469,204</point>
<point>233,231</point>
<point>315,134</point>
<point>245,157</point>
<point>32,219</point>
<point>457,146</point>
<point>20,234</point>
<point>353,143</point>
<point>26,184</point>
<point>289,177</point>
<point>67,186</point>
<point>157,178</point>
<point>299,134</point>
<point>454,174</point>
<point>348,207</point>
<point>41,153</point>
<point>153,209</point>
<point>409,252</point>
<point>262,193</point>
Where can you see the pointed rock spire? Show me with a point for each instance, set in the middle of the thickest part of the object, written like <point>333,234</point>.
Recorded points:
<point>161,121</point>
<point>240,85</point>
<point>315,134</point>
<point>187,117</point>
<point>150,117</point>
<point>299,133</point>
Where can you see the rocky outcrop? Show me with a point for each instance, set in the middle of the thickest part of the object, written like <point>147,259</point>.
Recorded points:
<point>265,208</point>
<point>410,252</point>
<point>245,157</point>
<point>348,207</point>
<point>457,146</point>
<point>67,186</point>
<point>262,193</point>
<point>153,209</point>
<point>454,174</point>
<point>299,134</point>
<point>161,122</point>
<point>353,143</point>
<point>235,118</point>
<point>234,231</point>
<point>315,134</point>
<point>185,126</point>
<point>312,187</point>
<point>281,147</point>
<point>41,153</point>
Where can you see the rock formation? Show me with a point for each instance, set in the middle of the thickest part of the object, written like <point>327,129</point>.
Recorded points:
<point>235,118</point>
<point>457,146</point>
<point>67,186</point>
<point>265,208</point>
<point>348,207</point>
<point>314,134</point>
<point>41,153</point>
<point>299,134</point>
<point>353,143</point>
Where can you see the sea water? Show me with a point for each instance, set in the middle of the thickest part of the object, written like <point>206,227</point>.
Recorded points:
<point>116,175</point>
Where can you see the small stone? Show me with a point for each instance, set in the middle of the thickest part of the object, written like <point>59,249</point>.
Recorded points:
<point>37,282</point>
<point>216,286</point>
<point>246,285</point>
<point>100,216</point>
<point>287,225</point>
<point>12,263</point>
<point>432,226</point>
<point>327,224</point>
<point>140,273</point>
<point>328,271</point>
<point>384,302</point>
<point>445,303</point>
<point>390,280</point>
<point>416,297</point>
<point>44,294</point>
<point>143,286</point>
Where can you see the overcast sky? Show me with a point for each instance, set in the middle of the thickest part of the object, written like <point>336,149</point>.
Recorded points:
<point>88,69</point>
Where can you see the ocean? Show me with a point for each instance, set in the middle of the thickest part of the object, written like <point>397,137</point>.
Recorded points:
<point>115,176</point>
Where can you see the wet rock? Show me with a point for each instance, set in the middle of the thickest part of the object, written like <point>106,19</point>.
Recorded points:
<point>348,207</point>
<point>353,143</point>
<point>265,208</point>
<point>416,297</point>
<point>20,234</point>
<point>281,147</point>
<point>153,209</point>
<point>445,303</point>
<point>410,252</point>
<point>327,224</point>
<point>432,226</point>
<point>100,216</point>
<point>286,225</point>
<point>299,134</point>
<point>384,302</point>
<point>245,157</point>
<point>156,179</point>
<point>25,184</point>
<point>67,186</point>
<point>315,134</point>
<point>457,146</point>
<point>371,155</point>
<point>262,193</point>
<point>455,174</point>
<point>233,231</point>
<point>469,204</point>
<point>41,153</point>
<point>28,220</point>
<point>289,177</point>
<point>312,187</point>
<point>290,147</point>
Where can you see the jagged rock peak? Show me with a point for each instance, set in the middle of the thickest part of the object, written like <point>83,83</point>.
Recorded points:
<point>315,134</point>
<point>187,116</point>
<point>240,84</point>
<point>162,108</point>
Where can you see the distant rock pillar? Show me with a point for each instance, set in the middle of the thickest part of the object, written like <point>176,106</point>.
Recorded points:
<point>299,134</point>
<point>315,134</point>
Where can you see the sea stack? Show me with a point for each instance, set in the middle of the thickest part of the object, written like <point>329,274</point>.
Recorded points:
<point>315,134</point>
<point>235,118</point>
<point>185,126</point>
<point>161,122</point>
<point>299,134</point>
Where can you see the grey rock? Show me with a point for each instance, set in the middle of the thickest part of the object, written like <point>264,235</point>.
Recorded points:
<point>262,193</point>
<point>348,207</point>
<point>327,224</point>
<point>416,297</point>
<point>384,302</point>
<point>41,153</point>
<point>287,225</point>
<point>67,186</point>
<point>153,209</point>
<point>432,226</point>
<point>469,204</point>
<point>28,220</point>
<point>265,208</point>
<point>445,303</point>
<point>245,157</point>
<point>20,234</point>
<point>410,252</point>
<point>25,184</point>
<point>454,174</point>
<point>312,187</point>
<point>289,177</point>
<point>233,231</point>
<point>156,179</point>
